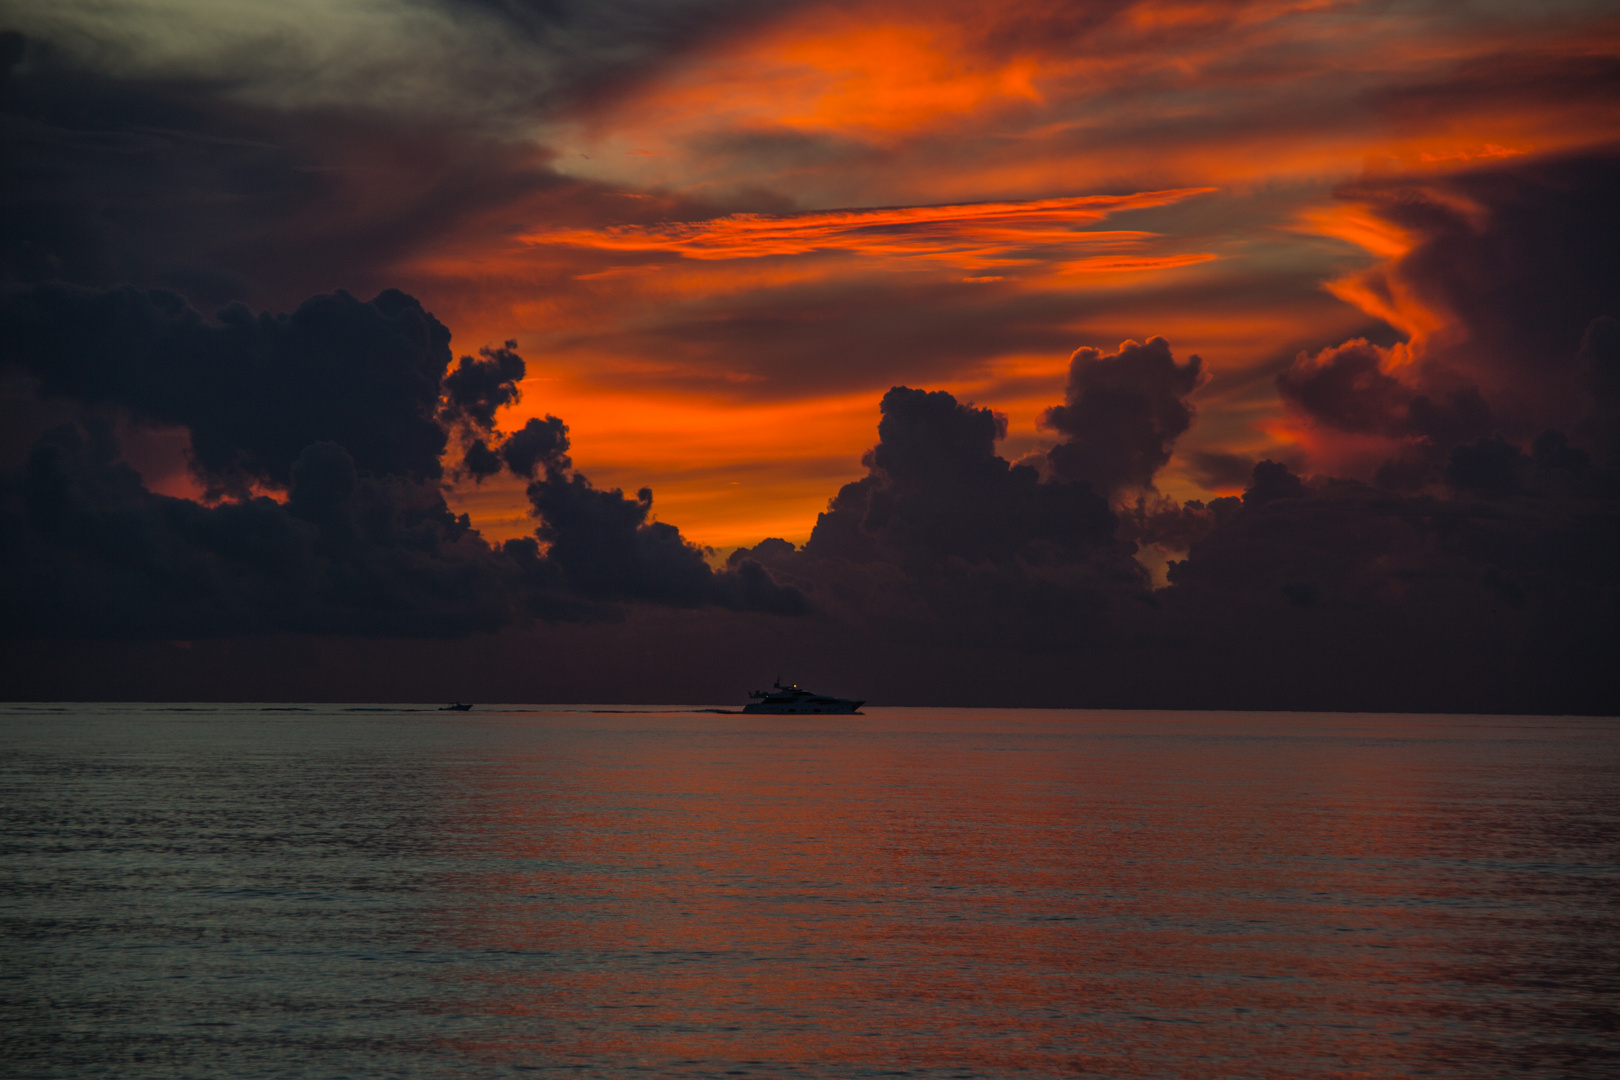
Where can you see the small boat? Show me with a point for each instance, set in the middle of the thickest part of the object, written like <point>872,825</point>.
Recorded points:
<point>455,706</point>
<point>793,699</point>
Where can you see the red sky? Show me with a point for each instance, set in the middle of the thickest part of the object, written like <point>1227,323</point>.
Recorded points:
<point>720,232</point>
<point>720,238</point>
<point>791,217</point>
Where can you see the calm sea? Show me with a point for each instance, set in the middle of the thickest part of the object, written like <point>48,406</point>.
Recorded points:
<point>333,891</point>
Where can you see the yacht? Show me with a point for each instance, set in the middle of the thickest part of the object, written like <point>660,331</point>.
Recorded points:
<point>796,699</point>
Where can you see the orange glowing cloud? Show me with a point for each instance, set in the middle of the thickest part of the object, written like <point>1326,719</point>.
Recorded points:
<point>887,102</point>
<point>974,236</point>
<point>946,162</point>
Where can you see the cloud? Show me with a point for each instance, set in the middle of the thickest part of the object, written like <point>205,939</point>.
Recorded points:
<point>538,445</point>
<point>478,387</point>
<point>89,552</point>
<point>945,541</point>
<point>1497,588</point>
<point>1494,310</point>
<point>639,193</point>
<point>253,390</point>
<point>1122,413</point>
<point>936,489</point>
<point>160,178</point>
<point>343,406</point>
<point>1599,360</point>
<point>973,237</point>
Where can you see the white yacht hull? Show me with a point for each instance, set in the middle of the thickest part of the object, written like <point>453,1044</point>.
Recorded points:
<point>835,707</point>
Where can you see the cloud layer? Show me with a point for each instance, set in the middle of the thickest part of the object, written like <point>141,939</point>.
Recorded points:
<point>1358,446</point>
<point>325,427</point>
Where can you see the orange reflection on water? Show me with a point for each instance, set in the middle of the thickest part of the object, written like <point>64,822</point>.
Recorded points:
<point>1133,895</point>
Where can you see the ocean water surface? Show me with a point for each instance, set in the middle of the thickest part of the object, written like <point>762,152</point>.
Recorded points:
<point>338,891</point>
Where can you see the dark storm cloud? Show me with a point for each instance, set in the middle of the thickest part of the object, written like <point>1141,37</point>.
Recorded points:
<point>946,541</point>
<point>1522,542</point>
<point>191,183</point>
<point>1520,258</point>
<point>936,489</point>
<point>480,386</point>
<point>90,552</point>
<point>1272,480</point>
<point>1121,414</point>
<point>1515,265</point>
<point>1346,388</point>
<point>537,444</point>
<point>1497,588</point>
<point>254,390</point>
<point>1486,546</point>
<point>1159,521</point>
<point>606,546</point>
<point>340,404</point>
<point>1599,361</point>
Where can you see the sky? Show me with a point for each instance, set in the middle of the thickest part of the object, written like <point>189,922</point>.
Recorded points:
<point>1248,354</point>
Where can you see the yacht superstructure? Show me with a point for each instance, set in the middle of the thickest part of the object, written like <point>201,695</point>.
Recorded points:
<point>793,699</point>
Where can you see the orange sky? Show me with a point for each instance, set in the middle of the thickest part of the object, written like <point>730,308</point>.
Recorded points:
<point>788,220</point>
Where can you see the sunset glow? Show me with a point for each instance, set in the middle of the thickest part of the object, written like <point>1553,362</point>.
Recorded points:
<point>636,287</point>
<point>1167,169</point>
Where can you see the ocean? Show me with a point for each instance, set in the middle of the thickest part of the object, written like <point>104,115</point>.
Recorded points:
<point>331,891</point>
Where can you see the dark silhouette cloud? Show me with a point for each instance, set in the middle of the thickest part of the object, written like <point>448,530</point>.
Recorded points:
<point>1514,262</point>
<point>1122,412</point>
<point>1162,522</point>
<point>538,444</point>
<point>1271,481</point>
<point>1347,388</point>
<point>1516,565</point>
<point>608,547</point>
<point>1475,570</point>
<point>254,391</point>
<point>344,406</point>
<point>936,489</point>
<point>88,551</point>
<point>945,541</point>
<point>1327,593</point>
<point>1512,275</point>
<point>478,461</point>
<point>479,386</point>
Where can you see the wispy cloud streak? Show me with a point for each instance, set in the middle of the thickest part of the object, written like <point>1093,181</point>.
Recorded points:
<point>972,236</point>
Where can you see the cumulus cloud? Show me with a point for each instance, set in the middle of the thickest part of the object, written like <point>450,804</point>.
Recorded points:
<point>945,541</point>
<point>936,489</point>
<point>343,407</point>
<point>1508,267</point>
<point>89,551</point>
<point>1122,412</point>
<point>1316,592</point>
<point>538,444</point>
<point>480,386</point>
<point>253,390</point>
